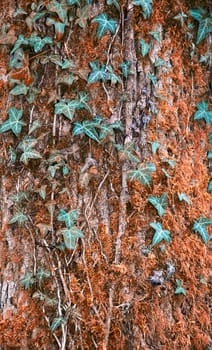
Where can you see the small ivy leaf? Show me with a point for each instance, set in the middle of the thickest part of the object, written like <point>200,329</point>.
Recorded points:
<point>38,43</point>
<point>126,152</point>
<point>111,75</point>
<point>13,122</point>
<point>28,280</point>
<point>83,14</point>
<point>73,2</point>
<point>41,273</point>
<point>115,3</point>
<point>30,154</point>
<point>143,173</point>
<point>200,227</point>
<point>65,78</point>
<point>20,196</point>
<point>155,146</point>
<point>20,218</point>
<point>56,323</point>
<point>159,63</point>
<point>64,107</point>
<point>59,27</point>
<point>36,124</point>
<point>59,8</point>
<point>165,172</point>
<point>146,7</point>
<point>19,90</point>
<point>83,98</point>
<point>104,25</point>
<point>12,154</point>
<point>98,72</point>
<point>203,112</point>
<point>152,78</point>
<point>68,218</point>
<point>144,47</point>
<point>125,67</point>
<point>179,289</point>
<point>70,236</point>
<point>19,42</point>
<point>42,192</point>
<point>197,13</point>
<point>210,186</point>
<point>205,27</point>
<point>17,59</point>
<point>182,197</point>
<point>160,233</point>
<point>88,128</point>
<point>170,162</point>
<point>156,36</point>
<point>65,170</point>
<point>160,203</point>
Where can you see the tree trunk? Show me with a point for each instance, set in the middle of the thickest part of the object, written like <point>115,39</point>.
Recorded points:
<point>105,175</point>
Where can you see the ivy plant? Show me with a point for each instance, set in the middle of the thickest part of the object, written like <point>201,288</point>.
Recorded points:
<point>160,234</point>
<point>101,72</point>
<point>179,289</point>
<point>203,112</point>
<point>144,47</point>
<point>199,226</point>
<point>27,280</point>
<point>104,25</point>
<point>205,22</point>
<point>70,233</point>
<point>160,203</point>
<point>14,122</point>
<point>68,107</point>
<point>143,173</point>
<point>146,6</point>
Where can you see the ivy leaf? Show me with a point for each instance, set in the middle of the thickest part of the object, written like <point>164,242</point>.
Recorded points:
<point>125,67</point>
<point>179,289</point>
<point>197,13</point>
<point>144,47</point>
<point>20,196</point>
<point>155,146</point>
<point>126,152</point>
<point>41,273</point>
<point>18,217</point>
<point>146,7</point>
<point>70,235</point>
<point>20,89</point>
<point>182,197</point>
<point>38,43</point>
<point>152,78</point>
<point>160,234</point>
<point>68,218</point>
<point>159,63</point>
<point>59,8</point>
<point>13,122</point>
<point>203,112</point>
<point>87,127</point>
<point>29,153</point>
<point>143,173</point>
<point>73,2</point>
<point>17,59</point>
<point>98,72</point>
<point>115,3</point>
<point>59,27</point>
<point>200,227</point>
<point>64,107</point>
<point>205,24</point>
<point>156,36</point>
<point>19,42</point>
<point>83,15</point>
<point>210,186</point>
<point>56,323</point>
<point>160,203</point>
<point>36,124</point>
<point>104,25</point>
<point>28,280</point>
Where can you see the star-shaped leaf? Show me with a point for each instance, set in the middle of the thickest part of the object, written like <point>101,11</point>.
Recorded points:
<point>200,227</point>
<point>160,203</point>
<point>146,7</point>
<point>143,173</point>
<point>13,122</point>
<point>104,25</point>
<point>68,217</point>
<point>160,233</point>
<point>27,280</point>
<point>203,112</point>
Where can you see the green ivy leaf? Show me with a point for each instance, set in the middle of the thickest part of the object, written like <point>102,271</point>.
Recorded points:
<point>56,323</point>
<point>68,217</point>
<point>20,89</point>
<point>182,197</point>
<point>19,42</point>
<point>70,236</point>
<point>41,273</point>
<point>144,47</point>
<point>210,186</point>
<point>87,127</point>
<point>104,25</point>
<point>203,112</point>
<point>83,15</point>
<point>115,3</point>
<point>155,146</point>
<point>160,233</point>
<point>159,63</point>
<point>156,36</point>
<point>127,152</point>
<point>28,280</point>
<point>13,122</point>
<point>125,67</point>
<point>19,197</point>
<point>59,27</point>
<point>143,173</point>
<point>66,108</point>
<point>59,8</point>
<point>17,59</point>
<point>179,289</point>
<point>205,24</point>
<point>73,2</point>
<point>160,203</point>
<point>152,78</point>
<point>146,7</point>
<point>200,227</point>
<point>19,217</point>
<point>42,192</point>
<point>197,13</point>
<point>38,43</point>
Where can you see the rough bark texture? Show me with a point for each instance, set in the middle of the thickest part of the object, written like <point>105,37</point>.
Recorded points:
<point>114,289</point>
